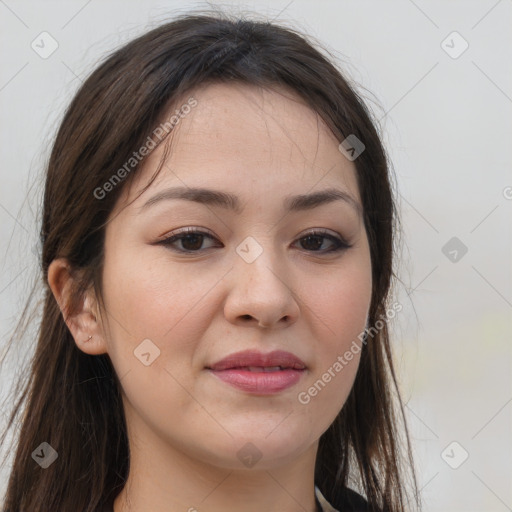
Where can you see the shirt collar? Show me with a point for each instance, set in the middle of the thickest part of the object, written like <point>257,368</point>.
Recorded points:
<point>324,504</point>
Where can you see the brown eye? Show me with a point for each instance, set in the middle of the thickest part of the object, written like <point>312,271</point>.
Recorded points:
<point>190,238</point>
<point>192,241</point>
<point>315,240</point>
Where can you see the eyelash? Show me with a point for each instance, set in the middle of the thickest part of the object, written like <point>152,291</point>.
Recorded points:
<point>340,244</point>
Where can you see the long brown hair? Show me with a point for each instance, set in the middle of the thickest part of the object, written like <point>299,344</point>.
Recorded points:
<point>72,400</point>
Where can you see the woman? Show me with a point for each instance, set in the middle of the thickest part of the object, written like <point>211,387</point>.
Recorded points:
<point>217,246</point>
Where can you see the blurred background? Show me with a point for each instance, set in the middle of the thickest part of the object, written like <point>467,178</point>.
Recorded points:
<point>437,76</point>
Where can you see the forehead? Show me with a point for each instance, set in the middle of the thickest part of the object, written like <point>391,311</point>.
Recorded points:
<point>255,142</point>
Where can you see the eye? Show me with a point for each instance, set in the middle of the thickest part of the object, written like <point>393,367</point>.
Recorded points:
<point>192,239</point>
<point>315,240</point>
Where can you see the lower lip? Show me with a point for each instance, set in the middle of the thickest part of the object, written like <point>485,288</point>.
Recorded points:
<point>263,383</point>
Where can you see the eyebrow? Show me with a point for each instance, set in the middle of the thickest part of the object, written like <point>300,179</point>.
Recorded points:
<point>301,202</point>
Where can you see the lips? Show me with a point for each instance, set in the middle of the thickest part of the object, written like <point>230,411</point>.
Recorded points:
<point>257,373</point>
<point>257,361</point>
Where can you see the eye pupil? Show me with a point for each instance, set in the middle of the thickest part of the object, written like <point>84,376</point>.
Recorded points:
<point>195,237</point>
<point>318,239</point>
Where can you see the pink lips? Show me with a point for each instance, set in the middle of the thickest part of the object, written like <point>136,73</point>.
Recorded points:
<point>255,372</point>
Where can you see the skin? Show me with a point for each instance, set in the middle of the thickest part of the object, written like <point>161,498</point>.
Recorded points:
<point>185,426</point>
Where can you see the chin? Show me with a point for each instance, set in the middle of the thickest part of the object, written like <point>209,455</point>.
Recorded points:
<point>260,447</point>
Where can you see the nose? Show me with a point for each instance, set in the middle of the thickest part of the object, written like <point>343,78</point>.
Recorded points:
<point>261,293</point>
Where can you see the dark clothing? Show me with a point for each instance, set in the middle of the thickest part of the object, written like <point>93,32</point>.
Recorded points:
<point>347,501</point>
<point>353,502</point>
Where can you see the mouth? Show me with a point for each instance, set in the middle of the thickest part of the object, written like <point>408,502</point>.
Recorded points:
<point>261,368</point>
<point>259,373</point>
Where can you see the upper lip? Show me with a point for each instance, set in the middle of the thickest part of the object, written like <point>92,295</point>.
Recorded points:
<point>259,359</point>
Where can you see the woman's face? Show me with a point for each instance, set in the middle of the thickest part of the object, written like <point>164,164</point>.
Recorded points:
<point>250,280</point>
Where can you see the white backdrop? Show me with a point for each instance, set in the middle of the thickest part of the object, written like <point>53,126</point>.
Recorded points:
<point>441,73</point>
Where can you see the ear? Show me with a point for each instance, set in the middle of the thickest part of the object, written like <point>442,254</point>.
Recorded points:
<point>84,322</point>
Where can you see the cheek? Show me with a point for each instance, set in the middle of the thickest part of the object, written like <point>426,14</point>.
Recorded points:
<point>344,306</point>
<point>340,307</point>
<point>148,296</point>
<point>340,300</point>
<point>147,299</point>
<point>154,309</point>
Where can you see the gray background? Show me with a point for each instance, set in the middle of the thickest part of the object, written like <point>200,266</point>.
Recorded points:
<point>447,125</point>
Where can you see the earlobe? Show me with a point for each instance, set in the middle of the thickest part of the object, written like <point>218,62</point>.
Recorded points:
<point>81,320</point>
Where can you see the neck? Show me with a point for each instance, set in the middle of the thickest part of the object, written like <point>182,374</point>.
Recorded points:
<point>164,479</point>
